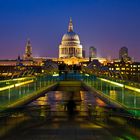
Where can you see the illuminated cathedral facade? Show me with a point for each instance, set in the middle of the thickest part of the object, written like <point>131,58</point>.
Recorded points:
<point>70,45</point>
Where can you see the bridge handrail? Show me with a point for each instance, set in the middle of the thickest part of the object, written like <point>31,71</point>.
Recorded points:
<point>122,81</point>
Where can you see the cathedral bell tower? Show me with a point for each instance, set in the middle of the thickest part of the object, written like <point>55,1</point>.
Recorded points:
<point>28,51</point>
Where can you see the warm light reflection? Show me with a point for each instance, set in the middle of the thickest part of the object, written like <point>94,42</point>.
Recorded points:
<point>82,95</point>
<point>58,95</point>
<point>42,101</point>
<point>113,94</point>
<point>100,102</point>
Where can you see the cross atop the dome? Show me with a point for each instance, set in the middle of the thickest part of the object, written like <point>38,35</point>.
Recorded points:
<point>70,28</point>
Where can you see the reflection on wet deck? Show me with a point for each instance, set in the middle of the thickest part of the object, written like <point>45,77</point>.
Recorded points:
<point>57,100</point>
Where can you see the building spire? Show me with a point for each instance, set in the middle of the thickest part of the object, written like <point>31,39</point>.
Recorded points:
<point>28,50</point>
<point>70,28</point>
<point>28,41</point>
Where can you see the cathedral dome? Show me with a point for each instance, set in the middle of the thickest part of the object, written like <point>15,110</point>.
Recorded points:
<point>70,36</point>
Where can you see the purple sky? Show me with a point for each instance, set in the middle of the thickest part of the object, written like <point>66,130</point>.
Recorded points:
<point>105,24</point>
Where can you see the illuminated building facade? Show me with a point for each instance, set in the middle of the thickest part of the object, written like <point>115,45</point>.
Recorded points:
<point>125,70</point>
<point>70,45</point>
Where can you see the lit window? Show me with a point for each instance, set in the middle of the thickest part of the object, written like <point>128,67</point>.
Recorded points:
<point>134,73</point>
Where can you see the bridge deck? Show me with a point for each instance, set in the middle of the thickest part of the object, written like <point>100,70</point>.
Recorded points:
<point>60,127</point>
<point>39,124</point>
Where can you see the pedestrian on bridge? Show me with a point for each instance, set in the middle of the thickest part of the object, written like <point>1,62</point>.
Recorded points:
<point>71,107</point>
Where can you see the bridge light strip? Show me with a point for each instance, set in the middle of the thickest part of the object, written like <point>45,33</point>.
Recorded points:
<point>7,87</point>
<point>16,85</point>
<point>23,83</point>
<point>56,74</point>
<point>121,85</point>
<point>132,88</point>
<point>86,74</point>
<point>112,82</point>
<point>17,79</point>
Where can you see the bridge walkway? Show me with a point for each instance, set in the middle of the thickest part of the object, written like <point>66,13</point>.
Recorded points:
<point>60,127</point>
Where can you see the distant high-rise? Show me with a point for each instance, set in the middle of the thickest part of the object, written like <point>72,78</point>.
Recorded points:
<point>83,53</point>
<point>19,61</point>
<point>28,51</point>
<point>123,54</point>
<point>92,52</point>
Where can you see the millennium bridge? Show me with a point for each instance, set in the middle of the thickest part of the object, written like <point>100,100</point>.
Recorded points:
<point>34,107</point>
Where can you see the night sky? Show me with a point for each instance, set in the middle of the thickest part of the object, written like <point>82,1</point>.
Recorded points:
<point>105,24</point>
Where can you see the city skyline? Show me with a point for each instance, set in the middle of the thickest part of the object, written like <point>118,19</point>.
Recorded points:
<point>104,24</point>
